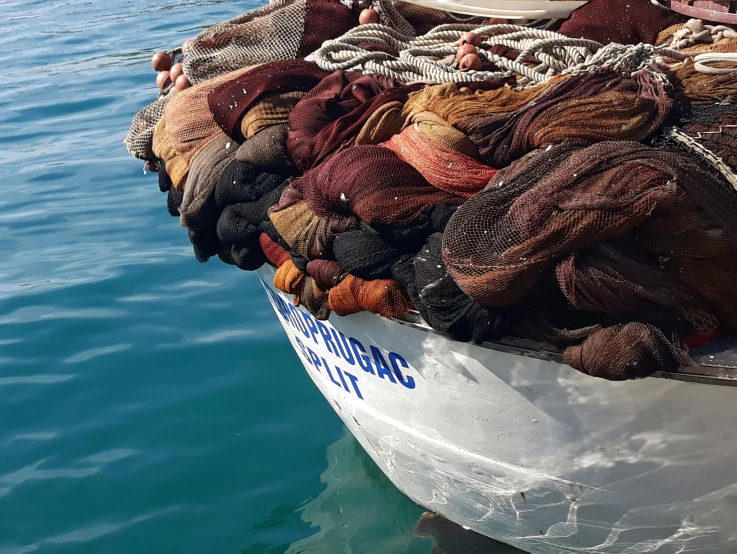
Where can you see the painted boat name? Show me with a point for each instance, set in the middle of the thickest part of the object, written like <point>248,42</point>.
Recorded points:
<point>346,349</point>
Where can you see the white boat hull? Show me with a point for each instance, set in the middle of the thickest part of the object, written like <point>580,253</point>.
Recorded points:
<point>525,451</point>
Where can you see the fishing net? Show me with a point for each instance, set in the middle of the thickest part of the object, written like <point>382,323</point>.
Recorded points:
<point>550,204</point>
<point>443,155</point>
<point>337,95</point>
<point>620,21</point>
<point>382,296</point>
<point>626,351</point>
<point>282,30</point>
<point>710,132</point>
<point>694,87</point>
<point>372,183</point>
<point>512,200</point>
<point>140,136</point>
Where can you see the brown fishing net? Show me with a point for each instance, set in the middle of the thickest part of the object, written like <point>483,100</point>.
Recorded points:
<point>621,21</point>
<point>694,87</point>
<point>494,208</point>
<point>625,351</point>
<point>372,183</point>
<point>556,202</point>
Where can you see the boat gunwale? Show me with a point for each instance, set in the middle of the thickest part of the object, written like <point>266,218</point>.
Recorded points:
<point>703,373</point>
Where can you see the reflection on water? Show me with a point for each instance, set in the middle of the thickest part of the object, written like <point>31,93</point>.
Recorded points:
<point>360,511</point>
<point>450,538</point>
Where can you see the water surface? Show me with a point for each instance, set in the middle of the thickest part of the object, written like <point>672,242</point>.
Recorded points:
<point>147,403</point>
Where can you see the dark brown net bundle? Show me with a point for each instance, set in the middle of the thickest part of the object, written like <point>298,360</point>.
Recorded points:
<point>710,132</point>
<point>620,279</point>
<point>283,30</point>
<point>550,204</point>
<point>372,183</point>
<point>695,249</point>
<point>594,107</point>
<point>625,351</point>
<point>693,87</point>
<point>311,136</point>
<point>622,21</point>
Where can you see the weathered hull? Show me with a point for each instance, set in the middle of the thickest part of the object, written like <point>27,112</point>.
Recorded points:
<point>527,451</point>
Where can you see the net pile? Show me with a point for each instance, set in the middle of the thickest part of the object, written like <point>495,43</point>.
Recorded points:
<point>577,187</point>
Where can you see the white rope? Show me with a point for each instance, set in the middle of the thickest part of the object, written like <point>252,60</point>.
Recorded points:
<point>701,62</point>
<point>692,144</point>
<point>695,31</point>
<point>431,57</point>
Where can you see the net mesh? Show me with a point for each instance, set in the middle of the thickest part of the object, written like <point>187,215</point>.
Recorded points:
<point>139,140</point>
<point>272,32</point>
<point>519,205</point>
<point>566,199</point>
<point>372,183</point>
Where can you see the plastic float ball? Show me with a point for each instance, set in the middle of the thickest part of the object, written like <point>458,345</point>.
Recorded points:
<point>368,16</point>
<point>465,50</point>
<point>161,61</point>
<point>163,80</point>
<point>497,21</point>
<point>470,61</point>
<point>186,45</point>
<point>176,71</point>
<point>182,83</point>
<point>471,38</point>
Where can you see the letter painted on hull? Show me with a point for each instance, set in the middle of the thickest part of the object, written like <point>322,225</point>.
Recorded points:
<point>343,361</point>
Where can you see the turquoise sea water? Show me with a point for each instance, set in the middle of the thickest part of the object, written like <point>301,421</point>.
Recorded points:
<point>147,403</point>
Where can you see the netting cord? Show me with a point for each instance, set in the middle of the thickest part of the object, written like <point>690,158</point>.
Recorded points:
<point>692,144</point>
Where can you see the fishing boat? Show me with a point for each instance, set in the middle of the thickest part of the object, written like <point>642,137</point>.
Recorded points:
<point>508,441</point>
<point>517,440</point>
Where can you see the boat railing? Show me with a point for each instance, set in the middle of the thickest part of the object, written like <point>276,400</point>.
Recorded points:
<point>715,363</point>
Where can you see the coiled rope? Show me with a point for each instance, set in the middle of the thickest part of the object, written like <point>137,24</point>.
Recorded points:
<point>431,57</point>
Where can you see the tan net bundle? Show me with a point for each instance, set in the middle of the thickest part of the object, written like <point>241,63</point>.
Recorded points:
<point>310,235</point>
<point>273,110</point>
<point>189,121</point>
<point>456,103</point>
<point>174,165</point>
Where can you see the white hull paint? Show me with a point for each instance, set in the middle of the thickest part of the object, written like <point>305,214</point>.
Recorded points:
<point>526,451</point>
